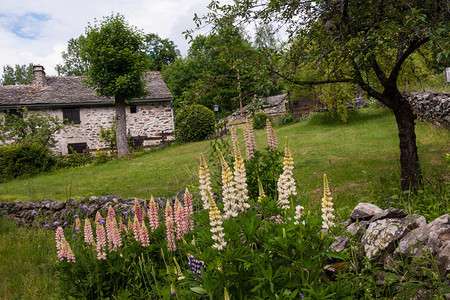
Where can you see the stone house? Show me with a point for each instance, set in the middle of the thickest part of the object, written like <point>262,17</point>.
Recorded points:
<point>68,98</point>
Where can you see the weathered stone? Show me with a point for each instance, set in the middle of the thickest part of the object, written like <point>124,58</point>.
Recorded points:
<point>365,211</point>
<point>382,234</point>
<point>433,238</point>
<point>390,213</point>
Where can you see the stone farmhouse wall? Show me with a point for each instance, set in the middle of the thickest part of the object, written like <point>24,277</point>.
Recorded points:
<point>149,120</point>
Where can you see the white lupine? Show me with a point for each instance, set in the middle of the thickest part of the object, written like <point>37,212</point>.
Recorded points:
<point>205,181</point>
<point>240,180</point>
<point>286,182</point>
<point>249,137</point>
<point>215,220</point>
<point>327,206</point>
<point>229,191</point>
<point>298,214</point>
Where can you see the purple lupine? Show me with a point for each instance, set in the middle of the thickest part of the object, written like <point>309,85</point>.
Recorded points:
<point>33,213</point>
<point>85,208</point>
<point>56,223</point>
<point>75,216</point>
<point>46,226</point>
<point>196,265</point>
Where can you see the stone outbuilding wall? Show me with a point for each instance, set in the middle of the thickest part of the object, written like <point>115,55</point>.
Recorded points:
<point>432,107</point>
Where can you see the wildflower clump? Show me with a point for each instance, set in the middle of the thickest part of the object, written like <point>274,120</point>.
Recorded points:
<point>286,182</point>
<point>327,206</point>
<point>205,181</point>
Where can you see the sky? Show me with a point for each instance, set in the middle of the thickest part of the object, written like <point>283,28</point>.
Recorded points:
<point>37,31</point>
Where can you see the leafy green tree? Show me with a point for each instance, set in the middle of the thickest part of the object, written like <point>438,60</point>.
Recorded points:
<point>363,42</point>
<point>21,126</point>
<point>19,74</point>
<point>117,60</point>
<point>162,52</point>
<point>74,63</point>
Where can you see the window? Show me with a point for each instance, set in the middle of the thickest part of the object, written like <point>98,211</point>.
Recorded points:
<point>71,115</point>
<point>76,147</point>
<point>14,115</point>
<point>133,109</point>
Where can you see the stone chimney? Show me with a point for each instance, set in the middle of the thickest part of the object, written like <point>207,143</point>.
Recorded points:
<point>39,76</point>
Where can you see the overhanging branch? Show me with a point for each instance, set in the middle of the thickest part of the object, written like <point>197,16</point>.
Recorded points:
<point>318,82</point>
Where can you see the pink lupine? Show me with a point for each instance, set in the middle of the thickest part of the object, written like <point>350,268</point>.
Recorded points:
<point>271,136</point>
<point>98,217</point>
<point>101,241</point>
<point>111,213</point>
<point>249,137</point>
<point>138,211</point>
<point>122,227</point>
<point>62,253</point>
<point>179,219</point>
<point>171,246</point>
<point>188,210</point>
<point>145,239</point>
<point>70,255</point>
<point>130,225</point>
<point>109,233</point>
<point>117,238</point>
<point>153,214</point>
<point>88,234</point>
<point>59,237</point>
<point>136,228</point>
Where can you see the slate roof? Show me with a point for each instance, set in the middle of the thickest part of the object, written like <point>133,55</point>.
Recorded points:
<point>70,91</point>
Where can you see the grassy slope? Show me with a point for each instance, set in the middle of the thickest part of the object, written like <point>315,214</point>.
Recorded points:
<point>354,154</point>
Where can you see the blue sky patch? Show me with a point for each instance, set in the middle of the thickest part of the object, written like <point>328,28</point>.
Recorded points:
<point>26,26</point>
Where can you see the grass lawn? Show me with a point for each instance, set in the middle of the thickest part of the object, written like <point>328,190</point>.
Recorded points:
<point>360,159</point>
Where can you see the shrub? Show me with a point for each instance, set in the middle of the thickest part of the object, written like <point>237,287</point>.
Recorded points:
<point>287,119</point>
<point>194,123</point>
<point>259,120</point>
<point>19,160</point>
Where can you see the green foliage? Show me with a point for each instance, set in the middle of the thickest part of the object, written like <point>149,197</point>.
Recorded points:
<point>74,159</point>
<point>194,123</point>
<point>108,135</point>
<point>287,119</point>
<point>74,63</point>
<point>162,52</point>
<point>116,55</point>
<point>20,74</point>
<point>24,159</point>
<point>259,120</point>
<point>25,127</point>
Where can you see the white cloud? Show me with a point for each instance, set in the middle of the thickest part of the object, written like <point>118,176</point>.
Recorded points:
<point>37,31</point>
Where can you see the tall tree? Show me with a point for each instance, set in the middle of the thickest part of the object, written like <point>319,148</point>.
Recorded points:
<point>117,60</point>
<point>19,74</point>
<point>363,42</point>
<point>162,52</point>
<point>74,63</point>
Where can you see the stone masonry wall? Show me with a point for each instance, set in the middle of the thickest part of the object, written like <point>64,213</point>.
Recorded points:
<point>432,107</point>
<point>149,120</point>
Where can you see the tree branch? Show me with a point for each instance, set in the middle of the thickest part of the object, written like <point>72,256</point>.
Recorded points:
<point>299,82</point>
<point>414,45</point>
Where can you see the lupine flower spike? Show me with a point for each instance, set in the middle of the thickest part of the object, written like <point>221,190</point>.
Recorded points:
<point>59,236</point>
<point>286,182</point>
<point>136,227</point>
<point>171,246</point>
<point>153,214</point>
<point>205,181</point>
<point>233,137</point>
<point>298,214</point>
<point>188,210</point>
<point>249,137</point>
<point>179,219</point>
<point>229,191</point>
<point>101,241</point>
<point>327,206</point>
<point>271,136</point>
<point>215,220</point>
<point>77,223</point>
<point>138,211</point>
<point>261,191</point>
<point>240,180</point>
<point>109,233</point>
<point>145,239</point>
<point>98,217</point>
<point>111,213</point>
<point>88,234</point>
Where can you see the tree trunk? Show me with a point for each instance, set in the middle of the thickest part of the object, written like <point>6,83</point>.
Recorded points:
<point>121,128</point>
<point>411,177</point>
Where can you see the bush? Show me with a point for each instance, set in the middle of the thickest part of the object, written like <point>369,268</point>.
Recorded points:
<point>287,119</point>
<point>194,123</point>
<point>259,120</point>
<point>21,160</point>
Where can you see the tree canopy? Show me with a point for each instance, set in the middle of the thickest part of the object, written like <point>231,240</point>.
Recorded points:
<point>117,60</point>
<point>74,63</point>
<point>161,52</point>
<point>19,74</point>
<point>361,42</point>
